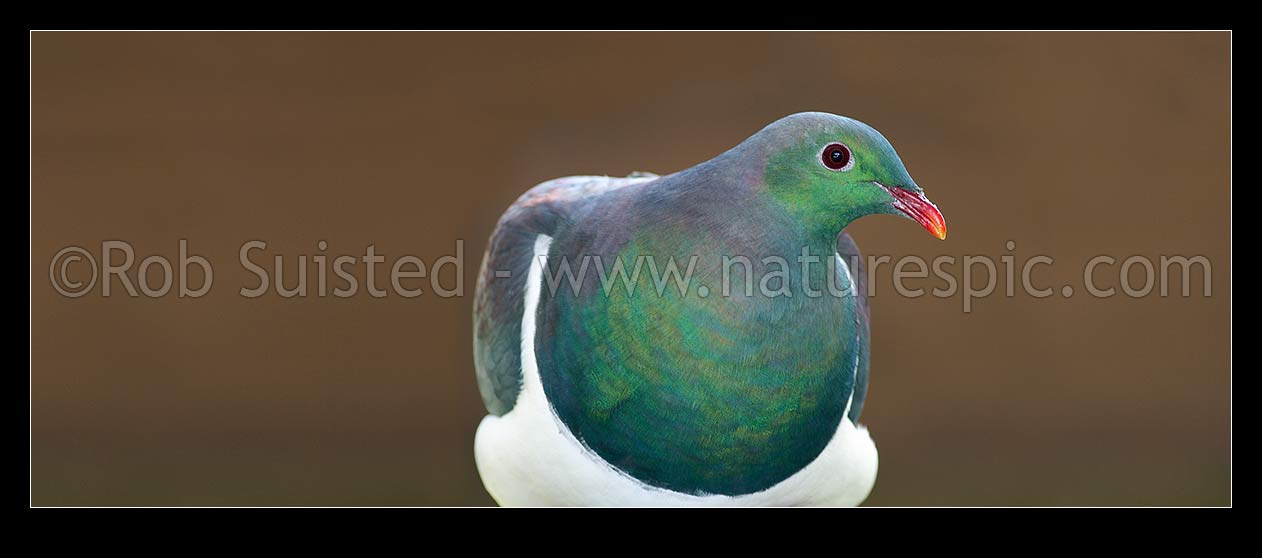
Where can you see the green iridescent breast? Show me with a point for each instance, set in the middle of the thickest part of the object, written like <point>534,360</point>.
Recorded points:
<point>727,393</point>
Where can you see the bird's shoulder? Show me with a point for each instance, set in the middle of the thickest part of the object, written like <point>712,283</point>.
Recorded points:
<point>501,283</point>
<point>568,190</point>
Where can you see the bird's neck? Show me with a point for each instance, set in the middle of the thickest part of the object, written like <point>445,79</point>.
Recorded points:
<point>719,191</point>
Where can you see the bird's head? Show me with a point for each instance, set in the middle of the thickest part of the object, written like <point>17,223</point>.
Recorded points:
<point>828,170</point>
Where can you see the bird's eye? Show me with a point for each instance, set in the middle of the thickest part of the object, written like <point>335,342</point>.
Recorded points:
<point>836,157</point>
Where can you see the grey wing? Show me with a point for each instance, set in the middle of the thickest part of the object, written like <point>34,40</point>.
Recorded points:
<point>849,252</point>
<point>499,298</point>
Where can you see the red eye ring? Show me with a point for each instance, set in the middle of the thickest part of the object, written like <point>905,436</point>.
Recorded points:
<point>836,156</point>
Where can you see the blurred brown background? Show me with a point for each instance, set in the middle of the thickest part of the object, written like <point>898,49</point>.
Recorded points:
<point>1069,144</point>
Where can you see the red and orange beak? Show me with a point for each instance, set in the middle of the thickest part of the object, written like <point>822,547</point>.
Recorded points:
<point>920,209</point>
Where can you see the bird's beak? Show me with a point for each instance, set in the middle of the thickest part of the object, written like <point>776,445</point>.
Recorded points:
<point>916,206</point>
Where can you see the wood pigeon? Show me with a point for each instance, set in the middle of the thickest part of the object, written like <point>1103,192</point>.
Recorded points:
<point>698,338</point>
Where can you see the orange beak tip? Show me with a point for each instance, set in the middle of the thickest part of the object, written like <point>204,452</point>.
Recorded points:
<point>917,207</point>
